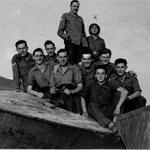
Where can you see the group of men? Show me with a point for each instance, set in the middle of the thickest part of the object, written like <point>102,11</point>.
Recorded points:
<point>79,78</point>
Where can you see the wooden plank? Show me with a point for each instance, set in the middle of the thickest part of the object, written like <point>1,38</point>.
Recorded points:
<point>134,128</point>
<point>30,106</point>
<point>26,123</point>
<point>23,132</point>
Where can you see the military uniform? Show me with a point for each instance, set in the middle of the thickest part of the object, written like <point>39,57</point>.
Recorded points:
<point>50,59</point>
<point>71,29</point>
<point>72,76</point>
<point>101,101</point>
<point>131,84</point>
<point>96,45</point>
<point>110,67</point>
<point>87,74</point>
<point>20,66</point>
<point>40,81</point>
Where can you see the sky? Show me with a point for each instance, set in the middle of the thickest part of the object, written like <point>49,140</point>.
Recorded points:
<point>125,27</point>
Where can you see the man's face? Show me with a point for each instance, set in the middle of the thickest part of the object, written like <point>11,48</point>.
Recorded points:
<point>87,60</point>
<point>50,49</point>
<point>63,58</point>
<point>75,7</point>
<point>22,49</point>
<point>100,75</point>
<point>105,58</point>
<point>94,30</point>
<point>38,57</point>
<point>121,69</point>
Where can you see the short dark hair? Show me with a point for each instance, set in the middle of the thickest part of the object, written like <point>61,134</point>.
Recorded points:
<point>87,51</point>
<point>49,42</point>
<point>20,42</point>
<point>100,67</point>
<point>62,50</point>
<point>105,51</point>
<point>38,50</point>
<point>121,60</point>
<point>74,1</point>
<point>94,24</point>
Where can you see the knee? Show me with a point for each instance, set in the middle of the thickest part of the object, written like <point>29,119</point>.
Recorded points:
<point>141,101</point>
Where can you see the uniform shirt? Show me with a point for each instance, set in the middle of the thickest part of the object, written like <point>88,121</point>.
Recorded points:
<point>130,83</point>
<point>110,68</point>
<point>38,77</point>
<point>21,66</point>
<point>50,59</point>
<point>96,44</point>
<point>101,95</point>
<point>71,76</point>
<point>87,74</point>
<point>71,28</point>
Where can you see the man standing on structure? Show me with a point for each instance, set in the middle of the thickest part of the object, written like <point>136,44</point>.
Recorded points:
<point>71,29</point>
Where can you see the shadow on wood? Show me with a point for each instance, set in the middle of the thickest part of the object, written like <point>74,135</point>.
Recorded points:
<point>26,123</point>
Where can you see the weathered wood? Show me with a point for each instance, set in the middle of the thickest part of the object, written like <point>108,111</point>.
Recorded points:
<point>26,123</point>
<point>27,105</point>
<point>134,128</point>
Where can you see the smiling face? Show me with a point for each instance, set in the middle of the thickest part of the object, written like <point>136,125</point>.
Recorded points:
<point>50,49</point>
<point>105,58</point>
<point>121,69</point>
<point>74,7</point>
<point>38,57</point>
<point>22,49</point>
<point>100,75</point>
<point>87,60</point>
<point>62,58</point>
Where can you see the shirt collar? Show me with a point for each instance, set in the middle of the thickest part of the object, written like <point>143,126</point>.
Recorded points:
<point>58,68</point>
<point>36,67</point>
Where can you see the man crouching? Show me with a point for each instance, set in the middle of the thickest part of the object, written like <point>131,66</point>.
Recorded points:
<point>104,99</point>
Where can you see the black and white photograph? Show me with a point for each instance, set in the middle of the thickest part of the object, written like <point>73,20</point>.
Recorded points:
<point>74,74</point>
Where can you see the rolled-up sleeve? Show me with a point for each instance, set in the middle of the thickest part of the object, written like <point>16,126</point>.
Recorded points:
<point>136,85</point>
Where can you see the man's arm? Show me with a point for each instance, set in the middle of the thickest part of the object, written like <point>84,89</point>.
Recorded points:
<point>16,77</point>
<point>134,95</point>
<point>62,27</point>
<point>76,90</point>
<point>33,92</point>
<point>123,96</point>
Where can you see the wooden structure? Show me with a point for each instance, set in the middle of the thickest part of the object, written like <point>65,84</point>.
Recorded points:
<point>134,128</point>
<point>26,123</point>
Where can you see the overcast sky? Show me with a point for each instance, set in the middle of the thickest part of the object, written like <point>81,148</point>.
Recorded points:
<point>125,27</point>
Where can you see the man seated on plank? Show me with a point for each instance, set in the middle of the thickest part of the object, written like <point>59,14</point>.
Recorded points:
<point>104,59</point>
<point>130,83</point>
<point>39,75</point>
<point>104,99</point>
<point>66,84</point>
<point>22,62</point>
<point>87,66</point>
<point>50,50</point>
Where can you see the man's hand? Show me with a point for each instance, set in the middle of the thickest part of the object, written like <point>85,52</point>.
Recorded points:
<point>132,73</point>
<point>17,90</point>
<point>67,91</point>
<point>53,90</point>
<point>40,95</point>
<point>85,114</point>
